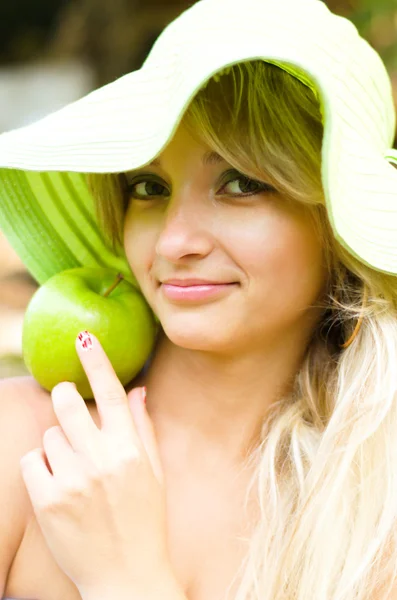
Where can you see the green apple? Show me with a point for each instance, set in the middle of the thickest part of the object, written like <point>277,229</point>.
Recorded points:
<point>97,299</point>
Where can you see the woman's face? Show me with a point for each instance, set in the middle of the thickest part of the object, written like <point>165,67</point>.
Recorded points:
<point>193,219</point>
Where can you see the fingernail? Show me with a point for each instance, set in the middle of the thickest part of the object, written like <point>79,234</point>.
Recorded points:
<point>85,340</point>
<point>144,394</point>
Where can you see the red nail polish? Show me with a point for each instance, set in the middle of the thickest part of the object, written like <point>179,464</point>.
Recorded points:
<point>85,340</point>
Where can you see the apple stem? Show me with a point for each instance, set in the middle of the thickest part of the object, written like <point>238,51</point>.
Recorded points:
<point>115,284</point>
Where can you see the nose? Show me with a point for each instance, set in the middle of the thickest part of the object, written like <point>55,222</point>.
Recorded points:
<point>186,227</point>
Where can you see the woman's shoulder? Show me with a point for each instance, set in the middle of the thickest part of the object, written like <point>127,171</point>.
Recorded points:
<point>25,413</point>
<point>26,406</point>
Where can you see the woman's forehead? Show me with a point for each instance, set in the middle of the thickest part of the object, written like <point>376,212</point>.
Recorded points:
<point>208,158</point>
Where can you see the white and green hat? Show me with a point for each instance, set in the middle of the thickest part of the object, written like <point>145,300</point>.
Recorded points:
<point>46,211</point>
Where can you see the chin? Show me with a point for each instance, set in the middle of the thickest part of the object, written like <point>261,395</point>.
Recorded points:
<point>193,334</point>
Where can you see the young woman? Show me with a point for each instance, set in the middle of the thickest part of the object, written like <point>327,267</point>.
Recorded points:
<point>265,458</point>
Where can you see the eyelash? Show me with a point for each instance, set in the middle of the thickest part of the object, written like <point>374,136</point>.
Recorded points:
<point>262,187</point>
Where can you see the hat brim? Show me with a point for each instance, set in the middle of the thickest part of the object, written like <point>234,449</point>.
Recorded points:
<point>47,213</point>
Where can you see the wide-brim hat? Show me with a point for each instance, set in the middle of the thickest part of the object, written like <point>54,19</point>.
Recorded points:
<point>46,211</point>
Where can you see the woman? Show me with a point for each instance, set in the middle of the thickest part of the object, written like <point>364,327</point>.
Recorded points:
<point>271,396</point>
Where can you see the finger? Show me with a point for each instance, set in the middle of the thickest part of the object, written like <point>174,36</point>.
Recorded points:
<point>38,480</point>
<point>61,457</point>
<point>75,419</point>
<point>109,393</point>
<point>145,429</point>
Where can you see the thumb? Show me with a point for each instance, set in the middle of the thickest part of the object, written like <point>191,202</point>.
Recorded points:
<point>144,426</point>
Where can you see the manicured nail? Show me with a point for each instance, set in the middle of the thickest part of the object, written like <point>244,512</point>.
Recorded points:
<point>144,394</point>
<point>85,340</point>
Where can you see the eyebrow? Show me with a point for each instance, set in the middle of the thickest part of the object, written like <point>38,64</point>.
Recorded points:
<point>209,158</point>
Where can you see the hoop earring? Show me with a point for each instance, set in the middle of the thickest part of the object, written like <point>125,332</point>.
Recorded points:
<point>360,320</point>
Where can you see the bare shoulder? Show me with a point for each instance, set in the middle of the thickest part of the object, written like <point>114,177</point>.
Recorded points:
<point>25,413</point>
<point>27,406</point>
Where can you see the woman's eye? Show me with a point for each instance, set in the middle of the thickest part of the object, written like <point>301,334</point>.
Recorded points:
<point>146,189</point>
<point>243,185</point>
<point>239,186</point>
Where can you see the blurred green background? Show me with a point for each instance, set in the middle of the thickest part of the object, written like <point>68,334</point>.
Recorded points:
<point>55,51</point>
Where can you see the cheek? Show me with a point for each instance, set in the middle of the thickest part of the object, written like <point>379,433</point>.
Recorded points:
<point>282,255</point>
<point>139,243</point>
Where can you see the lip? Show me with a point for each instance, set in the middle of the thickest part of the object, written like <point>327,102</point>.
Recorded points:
<point>191,282</point>
<point>183,293</point>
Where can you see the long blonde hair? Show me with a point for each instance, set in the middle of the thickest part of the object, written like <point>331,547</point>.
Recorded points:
<point>326,467</point>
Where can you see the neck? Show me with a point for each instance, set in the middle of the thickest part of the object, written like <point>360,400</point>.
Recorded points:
<point>207,407</point>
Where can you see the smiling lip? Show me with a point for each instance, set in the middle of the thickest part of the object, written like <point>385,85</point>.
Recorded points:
<point>195,292</point>
<point>190,282</point>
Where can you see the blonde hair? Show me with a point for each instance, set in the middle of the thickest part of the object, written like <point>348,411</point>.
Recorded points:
<point>325,470</point>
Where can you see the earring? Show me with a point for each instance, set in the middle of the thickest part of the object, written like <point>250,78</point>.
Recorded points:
<point>360,320</point>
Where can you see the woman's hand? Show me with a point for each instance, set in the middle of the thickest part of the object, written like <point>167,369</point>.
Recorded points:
<point>98,494</point>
